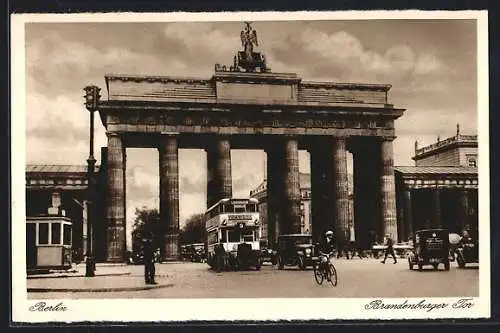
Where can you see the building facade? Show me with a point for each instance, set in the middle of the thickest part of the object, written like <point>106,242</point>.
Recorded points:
<point>441,190</point>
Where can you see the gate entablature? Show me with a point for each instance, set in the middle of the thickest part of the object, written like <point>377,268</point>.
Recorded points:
<point>246,88</point>
<point>247,103</point>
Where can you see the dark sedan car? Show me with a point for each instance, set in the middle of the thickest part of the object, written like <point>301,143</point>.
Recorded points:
<point>296,250</point>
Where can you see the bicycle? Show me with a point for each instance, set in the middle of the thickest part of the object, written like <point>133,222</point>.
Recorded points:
<point>325,270</point>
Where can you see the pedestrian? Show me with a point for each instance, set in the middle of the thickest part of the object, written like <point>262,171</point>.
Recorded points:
<point>149,259</point>
<point>389,249</point>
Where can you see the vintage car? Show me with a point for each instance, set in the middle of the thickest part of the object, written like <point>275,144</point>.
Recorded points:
<point>430,247</point>
<point>197,252</point>
<point>296,250</point>
<point>267,255</point>
<point>245,257</point>
<point>467,252</point>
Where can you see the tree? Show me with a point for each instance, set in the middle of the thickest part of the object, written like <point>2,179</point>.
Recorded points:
<point>194,230</point>
<point>147,220</point>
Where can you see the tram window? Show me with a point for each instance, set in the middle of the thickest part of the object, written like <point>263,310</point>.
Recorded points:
<point>233,235</point>
<point>56,233</point>
<point>224,236</point>
<point>43,233</point>
<point>67,234</point>
<point>251,208</point>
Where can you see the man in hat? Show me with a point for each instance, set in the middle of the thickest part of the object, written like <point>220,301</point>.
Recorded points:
<point>389,249</point>
<point>149,258</point>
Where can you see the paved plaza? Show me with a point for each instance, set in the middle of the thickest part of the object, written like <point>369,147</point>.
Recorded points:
<point>357,278</point>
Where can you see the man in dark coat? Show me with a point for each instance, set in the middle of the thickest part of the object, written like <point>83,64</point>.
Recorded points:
<point>149,259</point>
<point>389,249</point>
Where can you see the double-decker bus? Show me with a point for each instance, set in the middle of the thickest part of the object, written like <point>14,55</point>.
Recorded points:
<point>233,234</point>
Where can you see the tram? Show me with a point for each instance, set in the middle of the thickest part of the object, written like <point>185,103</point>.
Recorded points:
<point>48,243</point>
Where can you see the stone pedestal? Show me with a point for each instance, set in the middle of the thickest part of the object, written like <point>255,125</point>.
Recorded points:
<point>388,190</point>
<point>341,191</point>
<point>116,200</point>
<point>169,195</point>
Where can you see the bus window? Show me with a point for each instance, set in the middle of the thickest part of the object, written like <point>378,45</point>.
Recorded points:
<point>212,237</point>
<point>233,235</point>
<point>224,236</point>
<point>248,235</point>
<point>228,208</point>
<point>43,233</point>
<point>239,208</point>
<point>56,233</point>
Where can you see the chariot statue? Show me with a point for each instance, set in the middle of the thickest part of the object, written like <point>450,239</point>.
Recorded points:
<point>248,40</point>
<point>248,59</point>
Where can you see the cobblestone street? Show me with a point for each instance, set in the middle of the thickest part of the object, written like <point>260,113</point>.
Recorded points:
<point>357,278</point>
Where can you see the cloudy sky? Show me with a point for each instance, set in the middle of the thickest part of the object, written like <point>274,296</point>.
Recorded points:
<point>430,63</point>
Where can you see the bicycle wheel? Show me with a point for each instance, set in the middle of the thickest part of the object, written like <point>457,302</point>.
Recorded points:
<point>332,272</point>
<point>318,274</point>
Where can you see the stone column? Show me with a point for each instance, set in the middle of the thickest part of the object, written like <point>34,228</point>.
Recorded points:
<point>341,191</point>
<point>116,197</point>
<point>219,171</point>
<point>408,215</point>
<point>291,202</point>
<point>436,221</point>
<point>169,195</point>
<point>274,192</point>
<point>464,209</point>
<point>322,186</point>
<point>388,189</point>
<point>367,207</point>
<point>124,154</point>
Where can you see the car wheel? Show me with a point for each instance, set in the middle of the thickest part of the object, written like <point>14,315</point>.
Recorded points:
<point>460,262</point>
<point>301,264</point>
<point>280,263</point>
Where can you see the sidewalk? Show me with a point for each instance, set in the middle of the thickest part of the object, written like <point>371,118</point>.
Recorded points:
<point>94,284</point>
<point>108,278</point>
<point>104,269</point>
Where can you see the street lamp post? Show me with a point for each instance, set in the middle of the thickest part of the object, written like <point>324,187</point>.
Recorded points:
<point>91,103</point>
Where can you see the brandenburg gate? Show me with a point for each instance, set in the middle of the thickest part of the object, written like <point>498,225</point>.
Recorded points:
<point>247,106</point>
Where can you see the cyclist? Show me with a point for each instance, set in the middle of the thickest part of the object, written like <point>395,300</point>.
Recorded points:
<point>326,248</point>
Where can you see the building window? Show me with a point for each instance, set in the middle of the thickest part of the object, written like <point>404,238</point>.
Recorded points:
<point>472,162</point>
<point>43,233</point>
